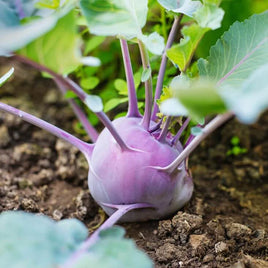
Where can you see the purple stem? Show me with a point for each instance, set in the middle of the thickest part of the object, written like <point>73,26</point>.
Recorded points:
<point>189,140</point>
<point>163,134</point>
<point>148,87</point>
<point>163,65</point>
<point>122,210</point>
<point>68,83</point>
<point>133,110</point>
<point>84,147</point>
<point>157,126</point>
<point>108,124</point>
<point>90,130</point>
<point>182,128</point>
<point>19,9</point>
<point>210,127</point>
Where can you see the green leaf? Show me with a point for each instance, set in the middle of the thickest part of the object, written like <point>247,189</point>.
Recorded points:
<point>146,74</point>
<point>112,103</point>
<point>114,251</point>
<point>115,17</point>
<point>209,16</point>
<point>89,82</point>
<point>240,51</point>
<point>70,94</point>
<point>30,241</point>
<point>93,43</point>
<point>155,43</point>
<point>181,54</point>
<point>52,4</point>
<point>249,100</point>
<point>121,86</point>
<point>137,79</point>
<point>187,7</point>
<point>58,54</point>
<point>6,76</point>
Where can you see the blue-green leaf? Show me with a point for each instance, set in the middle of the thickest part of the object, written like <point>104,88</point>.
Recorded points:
<point>31,241</point>
<point>240,51</point>
<point>8,16</point>
<point>248,101</point>
<point>112,250</point>
<point>187,7</point>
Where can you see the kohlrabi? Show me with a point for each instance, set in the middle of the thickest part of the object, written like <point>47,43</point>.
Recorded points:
<point>135,163</point>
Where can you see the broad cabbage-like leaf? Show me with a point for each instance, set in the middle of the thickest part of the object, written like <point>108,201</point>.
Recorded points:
<point>112,250</point>
<point>240,51</point>
<point>30,241</point>
<point>115,17</point>
<point>249,100</point>
<point>17,35</point>
<point>57,49</point>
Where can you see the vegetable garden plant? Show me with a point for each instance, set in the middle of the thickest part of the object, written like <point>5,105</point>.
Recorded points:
<point>137,164</point>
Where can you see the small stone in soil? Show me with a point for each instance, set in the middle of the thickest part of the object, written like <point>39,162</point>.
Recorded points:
<point>221,247</point>
<point>237,230</point>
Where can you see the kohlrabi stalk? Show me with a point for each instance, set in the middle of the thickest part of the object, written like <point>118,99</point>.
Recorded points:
<point>83,96</point>
<point>84,147</point>
<point>148,87</point>
<point>90,130</point>
<point>209,128</point>
<point>63,86</point>
<point>182,128</point>
<point>164,132</point>
<point>85,247</point>
<point>133,110</point>
<point>161,74</point>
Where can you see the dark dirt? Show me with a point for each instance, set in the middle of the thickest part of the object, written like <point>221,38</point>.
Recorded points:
<point>224,225</point>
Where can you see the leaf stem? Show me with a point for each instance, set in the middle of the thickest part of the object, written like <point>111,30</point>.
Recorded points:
<point>133,110</point>
<point>63,85</point>
<point>163,134</point>
<point>163,65</point>
<point>90,130</point>
<point>210,127</point>
<point>182,128</point>
<point>148,87</point>
<point>121,211</point>
<point>84,147</point>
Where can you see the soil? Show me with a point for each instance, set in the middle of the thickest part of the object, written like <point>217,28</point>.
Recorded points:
<point>224,225</point>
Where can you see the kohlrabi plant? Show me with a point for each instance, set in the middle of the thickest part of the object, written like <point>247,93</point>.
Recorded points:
<point>137,165</point>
